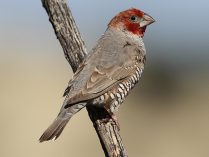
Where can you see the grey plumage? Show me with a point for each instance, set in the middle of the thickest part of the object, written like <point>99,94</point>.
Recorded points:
<point>110,61</point>
<point>108,73</point>
<point>101,71</point>
<point>56,128</point>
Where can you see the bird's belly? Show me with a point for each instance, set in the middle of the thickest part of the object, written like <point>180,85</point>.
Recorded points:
<point>112,99</point>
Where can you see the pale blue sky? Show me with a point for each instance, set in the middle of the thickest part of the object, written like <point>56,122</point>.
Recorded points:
<point>180,34</point>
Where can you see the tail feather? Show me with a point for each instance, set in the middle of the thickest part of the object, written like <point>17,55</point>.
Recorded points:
<point>56,128</point>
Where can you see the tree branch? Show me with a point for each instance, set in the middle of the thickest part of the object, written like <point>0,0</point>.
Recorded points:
<point>70,39</point>
<point>66,31</point>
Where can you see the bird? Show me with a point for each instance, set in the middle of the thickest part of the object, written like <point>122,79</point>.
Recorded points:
<point>111,69</point>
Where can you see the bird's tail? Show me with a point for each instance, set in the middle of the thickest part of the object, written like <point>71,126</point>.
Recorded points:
<point>56,128</point>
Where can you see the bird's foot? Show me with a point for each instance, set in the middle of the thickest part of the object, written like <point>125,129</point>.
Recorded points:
<point>113,116</point>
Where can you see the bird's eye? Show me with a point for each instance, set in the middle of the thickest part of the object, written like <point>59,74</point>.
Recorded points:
<point>133,18</point>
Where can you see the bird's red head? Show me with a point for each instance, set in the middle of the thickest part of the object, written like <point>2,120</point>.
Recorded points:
<point>132,20</point>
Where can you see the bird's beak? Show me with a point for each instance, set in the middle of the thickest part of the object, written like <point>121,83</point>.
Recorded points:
<point>146,20</point>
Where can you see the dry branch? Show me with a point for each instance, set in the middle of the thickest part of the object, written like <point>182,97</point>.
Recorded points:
<point>68,34</point>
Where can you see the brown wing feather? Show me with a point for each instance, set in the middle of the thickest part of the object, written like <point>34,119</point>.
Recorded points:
<point>100,81</point>
<point>80,68</point>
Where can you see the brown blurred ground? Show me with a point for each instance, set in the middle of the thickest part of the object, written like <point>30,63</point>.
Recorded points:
<point>162,117</point>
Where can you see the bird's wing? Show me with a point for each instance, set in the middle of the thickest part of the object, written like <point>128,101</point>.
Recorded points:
<point>99,81</point>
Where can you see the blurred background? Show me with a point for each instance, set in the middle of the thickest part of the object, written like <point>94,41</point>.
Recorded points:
<point>166,115</point>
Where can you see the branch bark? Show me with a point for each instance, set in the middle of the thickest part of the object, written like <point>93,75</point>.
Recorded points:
<point>74,49</point>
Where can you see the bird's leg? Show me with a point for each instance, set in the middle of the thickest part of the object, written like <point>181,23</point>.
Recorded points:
<point>113,117</point>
